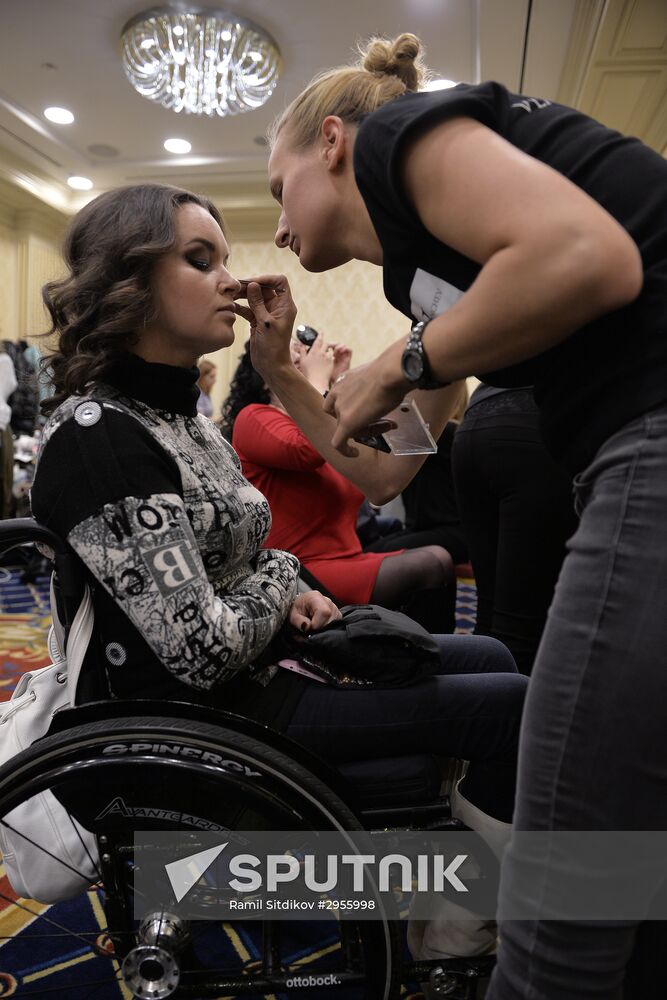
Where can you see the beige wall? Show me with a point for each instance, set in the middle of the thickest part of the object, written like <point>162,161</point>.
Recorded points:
<point>39,261</point>
<point>29,256</point>
<point>8,278</point>
<point>346,305</point>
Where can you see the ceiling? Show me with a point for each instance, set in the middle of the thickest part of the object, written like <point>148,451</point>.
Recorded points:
<point>608,57</point>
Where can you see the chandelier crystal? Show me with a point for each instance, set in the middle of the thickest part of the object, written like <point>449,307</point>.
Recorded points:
<point>200,61</point>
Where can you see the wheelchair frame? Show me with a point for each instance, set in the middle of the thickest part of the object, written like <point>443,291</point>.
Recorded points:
<point>296,787</point>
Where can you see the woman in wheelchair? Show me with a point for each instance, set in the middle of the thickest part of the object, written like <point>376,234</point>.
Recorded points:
<point>151,498</point>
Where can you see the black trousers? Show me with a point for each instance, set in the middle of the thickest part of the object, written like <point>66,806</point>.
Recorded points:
<point>517,512</point>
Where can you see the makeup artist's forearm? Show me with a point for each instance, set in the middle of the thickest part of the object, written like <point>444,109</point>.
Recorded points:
<point>379,476</point>
<point>517,309</point>
<point>437,406</point>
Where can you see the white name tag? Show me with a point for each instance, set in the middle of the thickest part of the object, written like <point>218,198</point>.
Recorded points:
<point>430,296</point>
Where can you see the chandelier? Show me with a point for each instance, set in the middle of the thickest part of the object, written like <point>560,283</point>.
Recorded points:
<point>200,61</point>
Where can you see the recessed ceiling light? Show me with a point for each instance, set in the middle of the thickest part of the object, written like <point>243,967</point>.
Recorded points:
<point>80,183</point>
<point>440,84</point>
<point>177,146</point>
<point>61,116</point>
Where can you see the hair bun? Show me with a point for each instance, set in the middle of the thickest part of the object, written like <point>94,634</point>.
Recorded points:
<point>398,57</point>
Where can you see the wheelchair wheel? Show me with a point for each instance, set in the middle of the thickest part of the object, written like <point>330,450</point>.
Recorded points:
<point>119,775</point>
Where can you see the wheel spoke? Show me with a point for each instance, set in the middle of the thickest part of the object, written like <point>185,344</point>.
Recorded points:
<point>92,860</point>
<point>54,923</point>
<point>230,777</point>
<point>50,854</point>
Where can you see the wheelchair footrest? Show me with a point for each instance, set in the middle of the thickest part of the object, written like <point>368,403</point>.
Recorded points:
<point>434,815</point>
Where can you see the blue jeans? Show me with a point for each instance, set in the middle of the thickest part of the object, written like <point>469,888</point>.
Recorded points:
<point>471,710</point>
<point>593,753</point>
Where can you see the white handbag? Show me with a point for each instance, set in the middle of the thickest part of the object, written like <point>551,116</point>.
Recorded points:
<point>47,855</point>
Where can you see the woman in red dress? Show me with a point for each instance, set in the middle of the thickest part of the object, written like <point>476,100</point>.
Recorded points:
<point>315,508</point>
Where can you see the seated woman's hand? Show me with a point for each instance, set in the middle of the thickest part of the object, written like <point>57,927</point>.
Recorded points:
<point>360,400</point>
<point>312,611</point>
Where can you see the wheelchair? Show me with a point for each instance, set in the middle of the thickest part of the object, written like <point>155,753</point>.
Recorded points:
<point>119,766</point>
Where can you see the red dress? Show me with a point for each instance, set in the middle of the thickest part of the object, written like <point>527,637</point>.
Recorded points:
<point>314,509</point>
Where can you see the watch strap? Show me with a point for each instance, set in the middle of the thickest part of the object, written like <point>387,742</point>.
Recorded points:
<point>415,343</point>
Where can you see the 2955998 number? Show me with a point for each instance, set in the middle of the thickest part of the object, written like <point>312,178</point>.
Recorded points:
<point>346,904</point>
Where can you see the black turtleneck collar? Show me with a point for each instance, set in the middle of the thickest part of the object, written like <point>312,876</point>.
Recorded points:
<point>162,387</point>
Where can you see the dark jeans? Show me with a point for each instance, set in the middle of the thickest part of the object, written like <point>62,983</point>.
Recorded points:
<point>593,750</point>
<point>471,710</point>
<point>517,513</point>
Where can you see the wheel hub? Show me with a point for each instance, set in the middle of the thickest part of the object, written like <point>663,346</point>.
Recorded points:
<point>150,970</point>
<point>442,984</point>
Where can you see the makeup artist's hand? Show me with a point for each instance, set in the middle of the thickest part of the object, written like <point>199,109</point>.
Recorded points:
<point>360,398</point>
<point>271,313</point>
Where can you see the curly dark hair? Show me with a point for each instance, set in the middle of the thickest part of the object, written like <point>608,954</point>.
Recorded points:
<point>247,386</point>
<point>110,249</point>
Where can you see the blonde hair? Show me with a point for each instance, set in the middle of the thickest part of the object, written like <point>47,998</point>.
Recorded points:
<point>387,69</point>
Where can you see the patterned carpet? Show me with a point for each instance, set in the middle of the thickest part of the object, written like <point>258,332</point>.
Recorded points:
<point>24,622</point>
<point>466,605</point>
<point>48,950</point>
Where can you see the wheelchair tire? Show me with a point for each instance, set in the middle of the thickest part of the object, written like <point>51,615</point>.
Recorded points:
<point>111,772</point>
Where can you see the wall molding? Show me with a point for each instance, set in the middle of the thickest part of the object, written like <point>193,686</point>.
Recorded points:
<point>586,26</point>
<point>616,70</point>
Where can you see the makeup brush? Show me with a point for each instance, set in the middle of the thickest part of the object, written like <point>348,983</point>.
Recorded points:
<point>246,281</point>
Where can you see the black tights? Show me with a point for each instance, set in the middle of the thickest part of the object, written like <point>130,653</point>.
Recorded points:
<point>422,583</point>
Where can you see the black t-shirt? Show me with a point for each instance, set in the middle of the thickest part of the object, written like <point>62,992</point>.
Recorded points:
<point>609,371</point>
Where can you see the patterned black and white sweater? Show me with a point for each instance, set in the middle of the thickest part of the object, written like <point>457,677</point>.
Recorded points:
<point>151,498</point>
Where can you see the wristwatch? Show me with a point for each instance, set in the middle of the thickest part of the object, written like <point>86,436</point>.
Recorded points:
<point>414,363</point>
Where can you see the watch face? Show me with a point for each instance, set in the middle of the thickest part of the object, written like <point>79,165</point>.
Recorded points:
<point>413,365</point>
